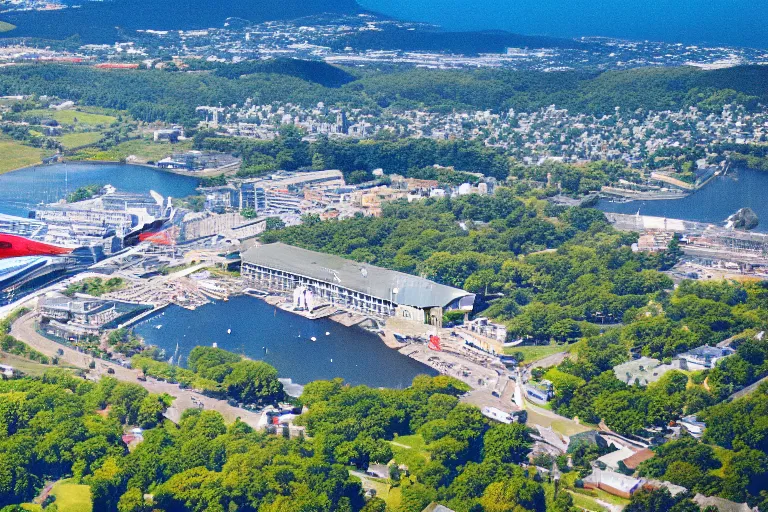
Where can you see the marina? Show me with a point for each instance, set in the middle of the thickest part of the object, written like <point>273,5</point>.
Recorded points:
<point>261,331</point>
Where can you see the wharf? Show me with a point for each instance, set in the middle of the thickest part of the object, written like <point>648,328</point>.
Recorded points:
<point>138,318</point>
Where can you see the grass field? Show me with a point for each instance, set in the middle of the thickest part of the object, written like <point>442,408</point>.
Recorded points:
<point>14,155</point>
<point>70,497</point>
<point>144,150</point>
<point>69,116</point>
<point>415,456</point>
<point>5,27</point>
<point>533,354</point>
<point>76,140</point>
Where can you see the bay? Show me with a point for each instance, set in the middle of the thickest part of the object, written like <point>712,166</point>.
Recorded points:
<point>713,203</point>
<point>21,190</point>
<point>282,339</point>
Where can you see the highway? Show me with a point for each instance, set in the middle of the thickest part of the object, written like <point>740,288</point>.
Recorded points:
<point>24,330</point>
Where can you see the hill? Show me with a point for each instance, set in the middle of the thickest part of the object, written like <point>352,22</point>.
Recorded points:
<point>312,71</point>
<point>150,95</point>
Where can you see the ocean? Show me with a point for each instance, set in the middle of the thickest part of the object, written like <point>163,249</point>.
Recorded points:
<point>726,22</point>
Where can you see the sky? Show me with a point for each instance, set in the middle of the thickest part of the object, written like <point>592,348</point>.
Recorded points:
<point>726,22</point>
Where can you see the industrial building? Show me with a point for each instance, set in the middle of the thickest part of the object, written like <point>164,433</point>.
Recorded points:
<point>19,276</point>
<point>79,317</point>
<point>356,286</point>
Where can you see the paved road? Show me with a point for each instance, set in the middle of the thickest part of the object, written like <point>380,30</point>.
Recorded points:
<point>747,390</point>
<point>24,329</point>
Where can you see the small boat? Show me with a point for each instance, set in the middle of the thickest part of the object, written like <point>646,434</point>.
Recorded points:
<point>158,327</point>
<point>313,338</point>
<point>331,360</point>
<point>229,331</point>
<point>215,345</point>
<point>327,333</point>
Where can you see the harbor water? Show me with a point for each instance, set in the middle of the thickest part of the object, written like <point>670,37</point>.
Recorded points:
<point>284,340</point>
<point>21,190</point>
<point>713,203</point>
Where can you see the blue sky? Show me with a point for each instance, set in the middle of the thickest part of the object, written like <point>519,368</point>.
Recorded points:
<point>733,22</point>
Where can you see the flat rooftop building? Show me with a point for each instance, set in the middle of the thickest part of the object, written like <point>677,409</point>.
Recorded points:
<point>358,286</point>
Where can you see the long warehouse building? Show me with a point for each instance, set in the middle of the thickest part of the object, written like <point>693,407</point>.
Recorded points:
<point>354,285</point>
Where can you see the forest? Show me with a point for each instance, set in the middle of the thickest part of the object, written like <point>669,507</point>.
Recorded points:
<point>63,426</point>
<point>151,95</point>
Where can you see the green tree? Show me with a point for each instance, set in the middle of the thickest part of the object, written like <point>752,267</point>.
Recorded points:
<point>507,443</point>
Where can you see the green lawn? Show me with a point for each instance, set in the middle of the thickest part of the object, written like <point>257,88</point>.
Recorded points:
<point>69,116</point>
<point>414,441</point>
<point>71,497</point>
<point>534,353</point>
<point>145,150</point>
<point>415,456</point>
<point>724,455</point>
<point>6,27</point>
<point>76,140</point>
<point>15,155</point>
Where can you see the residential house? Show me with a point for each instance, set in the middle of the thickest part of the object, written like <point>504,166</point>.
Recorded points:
<point>705,357</point>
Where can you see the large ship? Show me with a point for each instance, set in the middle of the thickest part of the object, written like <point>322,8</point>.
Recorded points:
<point>14,246</point>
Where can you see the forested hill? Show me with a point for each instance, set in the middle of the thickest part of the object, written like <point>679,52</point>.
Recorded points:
<point>310,70</point>
<point>150,95</point>
<point>101,22</point>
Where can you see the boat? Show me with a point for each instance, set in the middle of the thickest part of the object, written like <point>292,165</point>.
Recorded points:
<point>215,345</point>
<point>327,333</point>
<point>313,338</point>
<point>229,331</point>
<point>158,326</point>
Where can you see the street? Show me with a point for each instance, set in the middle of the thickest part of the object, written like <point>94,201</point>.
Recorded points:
<point>24,330</point>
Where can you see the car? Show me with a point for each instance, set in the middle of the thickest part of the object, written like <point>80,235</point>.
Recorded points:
<point>110,371</point>
<point>60,351</point>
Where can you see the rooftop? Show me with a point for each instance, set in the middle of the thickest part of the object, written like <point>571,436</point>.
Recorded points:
<point>400,288</point>
<point>615,480</point>
<point>721,504</point>
<point>638,457</point>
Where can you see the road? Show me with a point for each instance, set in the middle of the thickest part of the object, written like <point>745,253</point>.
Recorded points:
<point>747,390</point>
<point>24,330</point>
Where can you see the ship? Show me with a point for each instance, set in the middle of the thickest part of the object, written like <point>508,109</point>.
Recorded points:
<point>15,246</point>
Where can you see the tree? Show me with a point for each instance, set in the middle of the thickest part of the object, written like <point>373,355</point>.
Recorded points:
<point>513,494</point>
<point>106,485</point>
<point>252,381</point>
<point>507,443</point>
<point>274,223</point>
<point>133,501</point>
<point>375,504</point>
<point>151,411</point>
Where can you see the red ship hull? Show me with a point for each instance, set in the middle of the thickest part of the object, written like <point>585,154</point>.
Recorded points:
<point>14,246</point>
